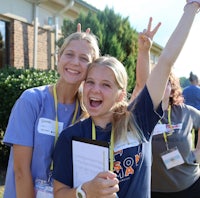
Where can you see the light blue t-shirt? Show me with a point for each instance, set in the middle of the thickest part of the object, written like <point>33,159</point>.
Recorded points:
<point>32,123</point>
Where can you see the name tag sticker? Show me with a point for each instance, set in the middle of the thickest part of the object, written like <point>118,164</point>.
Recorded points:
<point>48,127</point>
<point>159,129</point>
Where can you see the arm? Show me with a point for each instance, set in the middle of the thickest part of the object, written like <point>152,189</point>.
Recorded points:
<point>143,60</point>
<point>197,149</point>
<point>157,81</point>
<point>23,178</point>
<point>105,184</point>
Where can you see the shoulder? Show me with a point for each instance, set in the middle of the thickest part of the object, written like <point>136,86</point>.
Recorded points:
<point>186,89</point>
<point>142,96</point>
<point>187,108</point>
<point>35,95</point>
<point>35,91</point>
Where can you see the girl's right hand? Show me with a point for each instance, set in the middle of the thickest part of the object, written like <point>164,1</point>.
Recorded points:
<point>104,185</point>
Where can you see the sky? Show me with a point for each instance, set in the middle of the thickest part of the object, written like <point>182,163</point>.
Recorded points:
<point>168,14</point>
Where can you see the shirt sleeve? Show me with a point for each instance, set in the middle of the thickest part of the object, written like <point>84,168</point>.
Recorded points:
<point>20,128</point>
<point>195,115</point>
<point>146,117</point>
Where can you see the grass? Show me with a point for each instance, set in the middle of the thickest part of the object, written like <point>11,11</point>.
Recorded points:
<point>1,191</point>
<point>2,181</point>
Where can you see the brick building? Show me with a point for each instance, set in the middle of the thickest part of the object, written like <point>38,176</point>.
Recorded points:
<point>29,29</point>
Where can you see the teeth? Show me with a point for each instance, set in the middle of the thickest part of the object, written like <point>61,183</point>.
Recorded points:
<point>95,99</point>
<point>73,71</point>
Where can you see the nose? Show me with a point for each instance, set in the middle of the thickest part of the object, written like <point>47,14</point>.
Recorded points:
<point>96,88</point>
<point>75,60</point>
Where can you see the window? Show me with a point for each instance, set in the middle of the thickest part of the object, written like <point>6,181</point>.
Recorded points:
<point>4,43</point>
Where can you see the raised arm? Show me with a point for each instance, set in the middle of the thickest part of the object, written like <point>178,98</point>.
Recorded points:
<point>158,78</point>
<point>145,40</point>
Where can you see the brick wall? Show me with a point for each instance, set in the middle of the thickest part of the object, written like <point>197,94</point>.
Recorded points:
<point>22,46</point>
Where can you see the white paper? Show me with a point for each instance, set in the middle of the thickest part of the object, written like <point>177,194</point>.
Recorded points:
<point>88,161</point>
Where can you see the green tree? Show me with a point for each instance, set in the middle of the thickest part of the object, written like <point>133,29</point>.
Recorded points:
<point>184,82</point>
<point>115,36</point>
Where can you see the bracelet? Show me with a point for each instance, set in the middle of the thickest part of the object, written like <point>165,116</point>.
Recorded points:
<point>192,1</point>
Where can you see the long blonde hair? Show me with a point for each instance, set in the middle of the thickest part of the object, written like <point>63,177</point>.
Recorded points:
<point>90,38</point>
<point>123,120</point>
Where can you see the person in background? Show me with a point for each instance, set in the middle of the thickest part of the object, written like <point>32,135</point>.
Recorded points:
<point>173,133</point>
<point>178,175</point>
<point>192,97</point>
<point>128,128</point>
<point>40,114</point>
<point>191,93</point>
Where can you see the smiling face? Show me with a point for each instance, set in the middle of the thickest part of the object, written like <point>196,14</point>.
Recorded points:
<point>101,93</point>
<point>73,62</point>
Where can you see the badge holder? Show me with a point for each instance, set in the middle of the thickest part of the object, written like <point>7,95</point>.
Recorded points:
<point>172,158</point>
<point>43,188</point>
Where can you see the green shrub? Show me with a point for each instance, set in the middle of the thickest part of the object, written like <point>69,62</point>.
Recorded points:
<point>12,83</point>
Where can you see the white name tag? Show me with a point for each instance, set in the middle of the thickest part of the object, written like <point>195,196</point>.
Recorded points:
<point>161,128</point>
<point>43,189</point>
<point>48,126</point>
<point>172,158</point>
<point>131,141</point>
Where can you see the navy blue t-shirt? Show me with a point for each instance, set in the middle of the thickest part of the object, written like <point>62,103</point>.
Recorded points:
<point>132,162</point>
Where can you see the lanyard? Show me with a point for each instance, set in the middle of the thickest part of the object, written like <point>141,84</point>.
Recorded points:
<point>170,125</point>
<point>111,150</point>
<point>56,109</point>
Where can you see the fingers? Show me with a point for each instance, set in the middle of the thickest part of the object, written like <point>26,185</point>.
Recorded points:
<point>149,24</point>
<point>105,184</point>
<point>156,28</point>
<point>87,30</point>
<point>79,28</point>
<point>150,33</point>
<point>107,174</point>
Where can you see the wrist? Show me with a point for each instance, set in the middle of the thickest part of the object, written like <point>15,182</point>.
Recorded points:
<point>195,3</point>
<point>80,192</point>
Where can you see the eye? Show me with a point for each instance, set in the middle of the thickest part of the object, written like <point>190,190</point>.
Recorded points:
<point>106,85</point>
<point>84,58</point>
<point>89,82</point>
<point>68,54</point>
